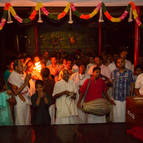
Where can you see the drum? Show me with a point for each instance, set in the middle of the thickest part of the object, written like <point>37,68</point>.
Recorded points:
<point>134,110</point>
<point>98,107</point>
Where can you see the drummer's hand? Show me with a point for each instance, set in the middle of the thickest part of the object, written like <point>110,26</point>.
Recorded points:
<point>112,102</point>
<point>79,106</point>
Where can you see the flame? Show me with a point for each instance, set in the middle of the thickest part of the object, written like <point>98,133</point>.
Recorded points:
<point>36,73</point>
<point>38,66</point>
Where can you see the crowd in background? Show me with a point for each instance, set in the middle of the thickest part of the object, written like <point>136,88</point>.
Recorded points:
<point>50,89</point>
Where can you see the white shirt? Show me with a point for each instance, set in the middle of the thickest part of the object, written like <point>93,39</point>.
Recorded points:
<point>104,70</point>
<point>79,78</point>
<point>18,80</point>
<point>32,86</point>
<point>128,65</point>
<point>139,83</point>
<point>88,66</point>
<point>112,66</point>
<point>54,70</point>
<point>66,106</point>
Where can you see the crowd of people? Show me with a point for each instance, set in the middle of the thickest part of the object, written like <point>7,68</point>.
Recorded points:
<point>50,89</point>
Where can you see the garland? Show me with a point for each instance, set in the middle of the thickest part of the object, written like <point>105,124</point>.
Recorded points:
<point>113,19</point>
<point>135,14</point>
<point>87,16</point>
<point>62,14</point>
<point>40,6</point>
<point>4,17</point>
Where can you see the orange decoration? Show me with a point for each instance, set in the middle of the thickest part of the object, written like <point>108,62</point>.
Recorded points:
<point>7,5</point>
<point>108,15</point>
<point>85,16</point>
<point>33,14</point>
<point>61,15</point>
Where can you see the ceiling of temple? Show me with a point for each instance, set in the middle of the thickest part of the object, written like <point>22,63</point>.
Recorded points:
<point>64,2</point>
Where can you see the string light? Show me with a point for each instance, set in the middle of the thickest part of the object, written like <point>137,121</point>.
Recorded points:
<point>70,16</point>
<point>130,15</point>
<point>9,17</point>
<point>40,19</point>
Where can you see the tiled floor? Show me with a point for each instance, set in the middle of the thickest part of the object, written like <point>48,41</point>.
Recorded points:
<point>97,133</point>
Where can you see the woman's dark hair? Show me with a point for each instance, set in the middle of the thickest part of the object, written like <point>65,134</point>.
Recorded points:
<point>40,82</point>
<point>96,68</point>
<point>15,63</point>
<point>45,72</point>
<point>139,67</point>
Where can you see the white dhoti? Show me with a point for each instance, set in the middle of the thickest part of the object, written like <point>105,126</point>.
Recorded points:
<point>21,109</point>
<point>95,119</point>
<point>22,114</point>
<point>119,111</point>
<point>52,112</point>
<point>68,120</point>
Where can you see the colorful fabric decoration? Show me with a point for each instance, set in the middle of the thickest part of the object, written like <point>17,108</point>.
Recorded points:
<point>61,15</point>
<point>87,16</point>
<point>43,9</point>
<point>135,14</point>
<point>113,19</point>
<point>131,9</point>
<point>4,17</point>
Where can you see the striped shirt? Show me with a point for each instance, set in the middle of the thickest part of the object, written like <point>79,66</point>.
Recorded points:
<point>122,84</point>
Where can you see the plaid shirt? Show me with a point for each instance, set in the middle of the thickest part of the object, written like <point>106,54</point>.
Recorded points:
<point>122,84</point>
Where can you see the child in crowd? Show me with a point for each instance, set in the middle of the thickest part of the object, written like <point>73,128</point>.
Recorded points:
<point>40,105</point>
<point>138,71</point>
<point>5,100</point>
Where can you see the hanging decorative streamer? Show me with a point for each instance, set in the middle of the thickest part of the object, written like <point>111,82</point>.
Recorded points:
<point>61,15</point>
<point>7,5</point>
<point>124,15</point>
<point>33,14</point>
<point>43,9</point>
<point>113,19</point>
<point>70,16</point>
<point>12,11</point>
<point>87,16</point>
<point>2,23</point>
<point>38,6</point>
<point>40,19</point>
<point>9,17</point>
<point>4,17</point>
<point>130,19</point>
<point>101,6</point>
<point>101,16</point>
<point>135,14</point>
<point>20,20</point>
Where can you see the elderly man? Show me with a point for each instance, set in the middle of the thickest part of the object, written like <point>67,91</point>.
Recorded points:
<point>65,92</point>
<point>19,85</point>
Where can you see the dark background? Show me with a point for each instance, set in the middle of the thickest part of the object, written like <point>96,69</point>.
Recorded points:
<point>53,35</point>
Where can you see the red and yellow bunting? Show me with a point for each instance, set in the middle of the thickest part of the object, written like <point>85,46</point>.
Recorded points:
<point>39,6</point>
